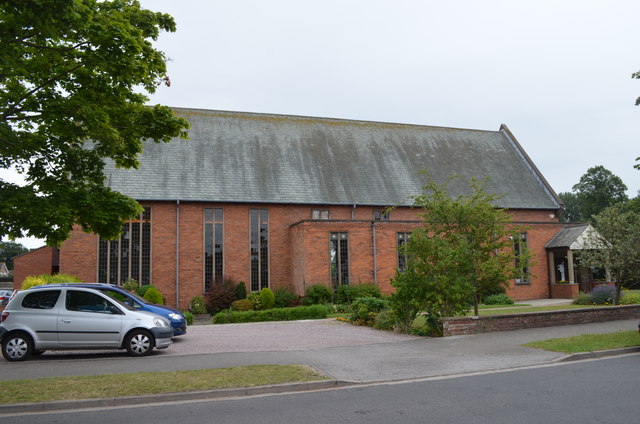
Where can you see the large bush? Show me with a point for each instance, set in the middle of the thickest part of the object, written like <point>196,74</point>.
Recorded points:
<point>153,295</point>
<point>317,294</point>
<point>278,314</point>
<point>197,306</point>
<point>267,298</point>
<point>221,295</point>
<point>285,298</point>
<point>347,294</point>
<point>242,305</point>
<point>36,280</point>
<point>241,290</point>
<point>365,310</point>
<point>582,299</point>
<point>604,294</point>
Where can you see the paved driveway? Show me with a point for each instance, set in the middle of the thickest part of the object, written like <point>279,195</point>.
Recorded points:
<point>278,336</point>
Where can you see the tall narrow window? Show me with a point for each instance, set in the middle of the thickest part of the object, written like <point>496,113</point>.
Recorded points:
<point>402,257</point>
<point>213,246</point>
<point>339,258</point>
<point>519,246</point>
<point>130,255</point>
<point>259,232</point>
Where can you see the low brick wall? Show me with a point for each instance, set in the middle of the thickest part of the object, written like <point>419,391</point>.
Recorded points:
<point>474,325</point>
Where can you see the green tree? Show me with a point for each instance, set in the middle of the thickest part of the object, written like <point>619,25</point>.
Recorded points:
<point>572,211</point>
<point>465,248</point>
<point>73,78</point>
<point>615,245</point>
<point>9,250</point>
<point>598,189</point>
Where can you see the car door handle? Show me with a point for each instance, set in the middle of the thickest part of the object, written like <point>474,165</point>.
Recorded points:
<point>66,321</point>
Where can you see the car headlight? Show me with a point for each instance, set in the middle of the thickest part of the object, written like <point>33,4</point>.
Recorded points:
<point>175,316</point>
<point>159,322</point>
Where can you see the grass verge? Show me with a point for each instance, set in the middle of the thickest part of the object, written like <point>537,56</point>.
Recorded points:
<point>149,383</point>
<point>589,342</point>
<point>533,309</point>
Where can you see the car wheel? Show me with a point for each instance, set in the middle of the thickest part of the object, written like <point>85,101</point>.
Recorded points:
<point>17,347</point>
<point>139,343</point>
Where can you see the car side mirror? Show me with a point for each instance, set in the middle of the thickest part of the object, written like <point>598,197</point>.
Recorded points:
<point>115,310</point>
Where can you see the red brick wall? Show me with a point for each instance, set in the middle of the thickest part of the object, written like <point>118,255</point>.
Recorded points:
<point>35,262</point>
<point>299,246</point>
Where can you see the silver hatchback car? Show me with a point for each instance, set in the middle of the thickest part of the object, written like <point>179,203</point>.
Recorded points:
<point>77,318</point>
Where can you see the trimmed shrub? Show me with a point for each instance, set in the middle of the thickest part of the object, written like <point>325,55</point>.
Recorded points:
<point>267,298</point>
<point>241,290</point>
<point>630,299</point>
<point>278,314</point>
<point>220,295</point>
<point>284,297</point>
<point>143,289</point>
<point>197,305</point>
<point>188,316</point>
<point>130,285</point>
<point>36,280</point>
<point>365,310</point>
<point>153,295</point>
<point>604,294</point>
<point>582,299</point>
<point>255,298</point>
<point>242,305</point>
<point>498,299</point>
<point>347,294</point>
<point>317,294</point>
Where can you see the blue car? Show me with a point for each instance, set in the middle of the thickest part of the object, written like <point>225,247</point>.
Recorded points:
<point>173,315</point>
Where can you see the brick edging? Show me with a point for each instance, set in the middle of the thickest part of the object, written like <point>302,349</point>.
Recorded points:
<point>473,325</point>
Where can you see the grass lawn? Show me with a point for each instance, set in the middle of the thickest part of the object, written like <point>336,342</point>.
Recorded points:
<point>148,383</point>
<point>589,342</point>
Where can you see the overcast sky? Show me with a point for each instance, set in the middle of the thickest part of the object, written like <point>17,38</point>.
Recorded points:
<point>557,73</point>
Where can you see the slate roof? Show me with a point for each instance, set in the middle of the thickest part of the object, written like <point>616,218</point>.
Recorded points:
<point>262,158</point>
<point>567,236</point>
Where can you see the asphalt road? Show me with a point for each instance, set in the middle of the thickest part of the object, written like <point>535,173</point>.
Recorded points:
<point>597,391</point>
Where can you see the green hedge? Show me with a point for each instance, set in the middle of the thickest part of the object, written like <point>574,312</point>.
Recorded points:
<point>277,314</point>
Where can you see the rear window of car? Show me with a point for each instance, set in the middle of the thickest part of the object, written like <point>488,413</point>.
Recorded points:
<point>45,299</point>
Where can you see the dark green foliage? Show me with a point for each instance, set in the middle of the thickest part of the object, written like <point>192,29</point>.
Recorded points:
<point>241,290</point>
<point>498,299</point>
<point>154,296</point>
<point>583,299</point>
<point>279,314</point>
<point>317,294</point>
<point>242,305</point>
<point>197,305</point>
<point>267,298</point>
<point>365,310</point>
<point>73,71</point>
<point>598,189</point>
<point>221,295</point>
<point>143,289</point>
<point>572,212</point>
<point>8,250</point>
<point>385,320</point>
<point>347,294</point>
<point>188,316</point>
<point>286,298</point>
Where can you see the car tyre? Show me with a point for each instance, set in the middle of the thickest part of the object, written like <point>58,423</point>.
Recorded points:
<point>17,346</point>
<point>139,343</point>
